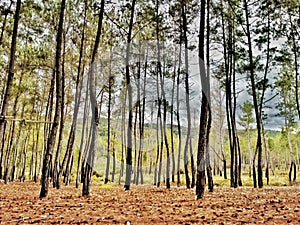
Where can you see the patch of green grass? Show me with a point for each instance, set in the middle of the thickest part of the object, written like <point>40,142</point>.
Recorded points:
<point>97,179</point>
<point>105,186</point>
<point>219,181</point>
<point>248,181</point>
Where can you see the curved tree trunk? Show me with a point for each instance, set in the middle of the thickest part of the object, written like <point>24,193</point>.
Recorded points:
<point>89,163</point>
<point>187,97</point>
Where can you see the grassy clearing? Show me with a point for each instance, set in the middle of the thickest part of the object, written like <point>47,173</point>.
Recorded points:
<point>278,179</point>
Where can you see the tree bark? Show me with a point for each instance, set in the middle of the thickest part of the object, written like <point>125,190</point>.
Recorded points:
<point>129,92</point>
<point>187,96</point>
<point>204,124</point>
<point>72,134</point>
<point>255,103</point>
<point>10,78</point>
<point>178,113</point>
<point>110,89</point>
<point>208,165</point>
<point>52,138</point>
<point>89,164</point>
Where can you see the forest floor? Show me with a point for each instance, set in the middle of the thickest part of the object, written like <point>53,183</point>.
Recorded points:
<point>19,204</point>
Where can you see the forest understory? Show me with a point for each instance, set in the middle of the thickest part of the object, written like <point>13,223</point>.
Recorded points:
<point>110,204</point>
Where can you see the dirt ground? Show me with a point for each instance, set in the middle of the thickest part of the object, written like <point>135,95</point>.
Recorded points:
<point>19,204</point>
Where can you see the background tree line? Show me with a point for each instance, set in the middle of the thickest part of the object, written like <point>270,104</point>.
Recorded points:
<point>122,90</point>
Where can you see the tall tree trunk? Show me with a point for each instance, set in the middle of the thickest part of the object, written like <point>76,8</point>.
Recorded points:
<point>208,165</point>
<point>142,121</point>
<point>110,89</point>
<point>159,123</point>
<point>57,170</point>
<point>172,122</point>
<point>141,116</point>
<point>10,78</point>
<point>89,164</point>
<point>255,103</point>
<point>187,95</point>
<point>203,143</point>
<point>178,112</point>
<point>163,100</point>
<point>227,44</point>
<point>80,71</point>
<point>266,71</point>
<point>58,105</point>
<point>129,92</point>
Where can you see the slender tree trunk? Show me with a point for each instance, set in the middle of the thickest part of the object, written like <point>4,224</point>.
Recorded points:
<point>159,141</point>
<point>79,78</point>
<point>5,21</point>
<point>227,59</point>
<point>23,155</point>
<point>114,161</point>
<point>254,170</point>
<point>35,177</point>
<point>110,89</point>
<point>10,78</point>
<point>8,150</point>
<point>187,96</point>
<point>249,149</point>
<point>178,113</point>
<point>15,153</point>
<point>203,142</point>
<point>225,166</point>
<point>86,133</point>
<point>12,135</point>
<point>83,135</point>
<point>129,92</point>
<point>193,170</point>
<point>163,100</point>
<point>52,137</point>
<point>208,165</point>
<point>255,103</point>
<point>266,71</point>
<point>89,164</point>
<point>141,112</point>
<point>2,148</point>
<point>142,121</point>
<point>159,129</point>
<point>135,143</point>
<point>57,171</point>
<point>172,122</point>
<point>123,135</point>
